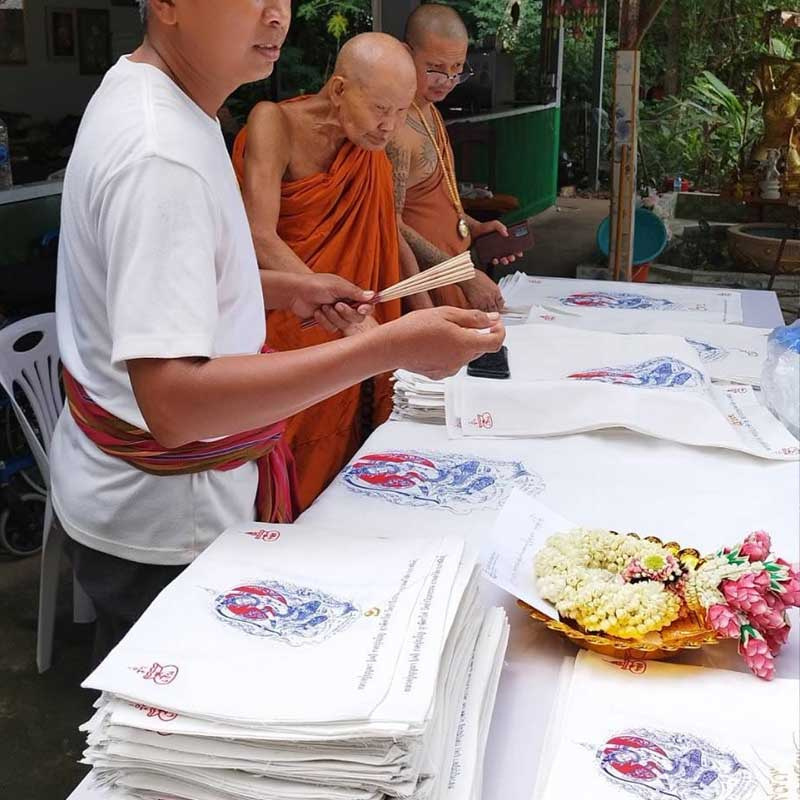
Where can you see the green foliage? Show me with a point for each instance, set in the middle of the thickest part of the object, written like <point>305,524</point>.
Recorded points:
<point>706,135</point>
<point>339,17</point>
<point>707,131</point>
<point>488,19</point>
<point>726,38</point>
<point>485,18</point>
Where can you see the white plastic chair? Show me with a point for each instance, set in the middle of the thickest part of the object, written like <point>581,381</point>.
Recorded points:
<point>35,371</point>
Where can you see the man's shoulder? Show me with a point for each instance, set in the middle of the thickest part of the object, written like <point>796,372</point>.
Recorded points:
<point>268,119</point>
<point>135,116</point>
<point>402,145</point>
<point>269,130</point>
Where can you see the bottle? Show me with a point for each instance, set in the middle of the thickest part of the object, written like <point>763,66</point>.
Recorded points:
<point>677,184</point>
<point>5,159</point>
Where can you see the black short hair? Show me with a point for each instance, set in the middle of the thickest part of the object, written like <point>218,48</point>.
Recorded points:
<point>434,18</point>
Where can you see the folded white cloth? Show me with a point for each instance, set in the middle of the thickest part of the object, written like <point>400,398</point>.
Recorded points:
<point>258,600</point>
<point>567,381</point>
<point>653,730</point>
<point>734,353</point>
<point>592,298</point>
<point>418,398</point>
<point>346,668</point>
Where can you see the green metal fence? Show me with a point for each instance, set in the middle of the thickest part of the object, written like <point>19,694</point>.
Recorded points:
<point>519,157</point>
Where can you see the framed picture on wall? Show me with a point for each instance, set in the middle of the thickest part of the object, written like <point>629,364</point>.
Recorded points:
<point>94,41</point>
<point>12,32</point>
<point>61,45</point>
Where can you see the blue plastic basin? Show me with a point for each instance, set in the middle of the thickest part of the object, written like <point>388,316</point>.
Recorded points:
<point>649,241</point>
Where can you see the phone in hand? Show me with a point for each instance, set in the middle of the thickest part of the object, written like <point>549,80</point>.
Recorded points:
<point>491,365</point>
<point>496,246</point>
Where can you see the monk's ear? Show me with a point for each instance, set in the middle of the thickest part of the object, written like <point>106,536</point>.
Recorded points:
<point>164,10</point>
<point>338,85</point>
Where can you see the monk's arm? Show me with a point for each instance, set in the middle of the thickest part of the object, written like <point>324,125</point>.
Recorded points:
<point>409,265</point>
<point>266,160</point>
<point>189,399</point>
<point>425,254</point>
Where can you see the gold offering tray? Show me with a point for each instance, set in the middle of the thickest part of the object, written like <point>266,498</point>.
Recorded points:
<point>687,633</point>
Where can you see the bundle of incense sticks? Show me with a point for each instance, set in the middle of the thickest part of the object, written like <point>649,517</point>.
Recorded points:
<point>454,270</point>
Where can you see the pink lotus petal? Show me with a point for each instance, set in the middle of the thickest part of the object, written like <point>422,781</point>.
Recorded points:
<point>756,546</point>
<point>725,621</point>
<point>759,658</point>
<point>777,638</point>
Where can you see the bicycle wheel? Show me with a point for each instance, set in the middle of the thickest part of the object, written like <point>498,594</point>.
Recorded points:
<point>21,533</point>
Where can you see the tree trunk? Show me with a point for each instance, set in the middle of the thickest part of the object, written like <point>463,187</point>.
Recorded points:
<point>672,73</point>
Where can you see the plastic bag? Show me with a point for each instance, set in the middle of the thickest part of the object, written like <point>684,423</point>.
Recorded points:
<point>780,378</point>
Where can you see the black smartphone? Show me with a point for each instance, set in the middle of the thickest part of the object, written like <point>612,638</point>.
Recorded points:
<point>491,365</point>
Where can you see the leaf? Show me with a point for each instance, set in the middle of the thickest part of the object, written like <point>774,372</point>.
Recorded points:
<point>338,26</point>
<point>781,49</point>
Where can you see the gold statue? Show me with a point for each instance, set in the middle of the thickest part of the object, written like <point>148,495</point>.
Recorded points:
<point>779,81</point>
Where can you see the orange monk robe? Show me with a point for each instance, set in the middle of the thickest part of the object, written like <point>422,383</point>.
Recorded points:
<point>430,211</point>
<point>342,221</point>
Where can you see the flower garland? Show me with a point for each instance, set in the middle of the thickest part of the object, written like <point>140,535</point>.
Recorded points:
<point>592,576</point>
<point>746,594</point>
<point>628,587</point>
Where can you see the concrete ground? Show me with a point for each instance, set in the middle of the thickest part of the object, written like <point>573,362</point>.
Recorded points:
<point>565,237</point>
<point>40,714</point>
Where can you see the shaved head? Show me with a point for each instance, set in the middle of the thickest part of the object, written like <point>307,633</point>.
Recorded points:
<point>436,19</point>
<point>372,57</point>
<point>372,88</point>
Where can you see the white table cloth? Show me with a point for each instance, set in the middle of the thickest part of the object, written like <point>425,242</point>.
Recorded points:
<point>588,298</point>
<point>616,480</point>
<point>610,479</point>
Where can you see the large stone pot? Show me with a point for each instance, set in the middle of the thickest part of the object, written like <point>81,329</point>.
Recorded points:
<point>756,246</point>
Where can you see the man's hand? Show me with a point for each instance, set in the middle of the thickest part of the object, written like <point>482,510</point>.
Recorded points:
<point>343,317</point>
<point>438,342</point>
<point>483,293</point>
<point>493,226</point>
<point>313,293</point>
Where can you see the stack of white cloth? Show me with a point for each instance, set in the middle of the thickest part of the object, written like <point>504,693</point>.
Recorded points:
<point>566,381</point>
<point>418,398</point>
<point>601,298</point>
<point>629,728</point>
<point>291,662</point>
<point>733,353</point>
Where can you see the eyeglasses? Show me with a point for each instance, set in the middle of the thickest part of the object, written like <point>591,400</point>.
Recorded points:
<point>438,78</point>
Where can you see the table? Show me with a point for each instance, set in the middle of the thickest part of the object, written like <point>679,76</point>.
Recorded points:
<point>685,492</point>
<point>585,478</point>
<point>588,487</point>
<point>760,308</point>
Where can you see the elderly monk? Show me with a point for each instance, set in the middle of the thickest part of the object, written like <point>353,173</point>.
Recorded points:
<point>432,219</point>
<point>318,190</point>
<point>172,430</point>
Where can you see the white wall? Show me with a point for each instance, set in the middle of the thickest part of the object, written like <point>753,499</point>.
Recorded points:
<point>53,89</point>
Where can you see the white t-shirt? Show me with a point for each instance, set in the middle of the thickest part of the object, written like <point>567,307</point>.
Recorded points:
<point>156,260</point>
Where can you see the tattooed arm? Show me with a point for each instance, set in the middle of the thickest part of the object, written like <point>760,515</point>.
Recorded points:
<point>409,263</point>
<point>426,254</point>
<point>481,292</point>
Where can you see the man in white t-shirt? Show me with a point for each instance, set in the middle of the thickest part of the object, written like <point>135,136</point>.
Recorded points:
<point>161,311</point>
